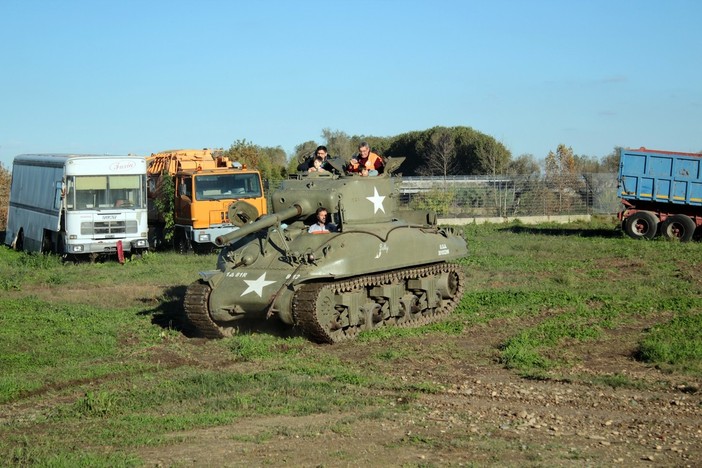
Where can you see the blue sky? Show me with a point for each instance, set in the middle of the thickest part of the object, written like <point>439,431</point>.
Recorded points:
<point>139,77</point>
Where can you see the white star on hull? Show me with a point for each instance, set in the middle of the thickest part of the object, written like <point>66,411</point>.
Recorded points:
<point>257,285</point>
<point>377,201</point>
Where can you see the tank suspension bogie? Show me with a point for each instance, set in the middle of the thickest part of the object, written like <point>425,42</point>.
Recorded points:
<point>337,311</point>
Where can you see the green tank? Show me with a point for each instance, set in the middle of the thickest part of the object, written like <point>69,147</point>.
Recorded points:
<point>381,267</point>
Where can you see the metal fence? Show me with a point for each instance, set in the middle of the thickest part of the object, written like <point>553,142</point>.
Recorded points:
<point>509,196</point>
<point>512,196</point>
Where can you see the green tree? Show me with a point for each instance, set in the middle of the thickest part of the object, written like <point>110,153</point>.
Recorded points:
<point>244,152</point>
<point>276,159</point>
<point>525,164</point>
<point>492,156</point>
<point>165,204</point>
<point>270,162</point>
<point>439,155</point>
<point>338,143</point>
<point>468,143</point>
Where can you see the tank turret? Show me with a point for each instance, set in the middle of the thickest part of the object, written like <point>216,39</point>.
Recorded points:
<point>380,266</point>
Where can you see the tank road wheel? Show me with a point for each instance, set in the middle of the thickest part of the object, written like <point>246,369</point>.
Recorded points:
<point>449,285</point>
<point>409,309</point>
<point>679,227</point>
<point>315,310</point>
<point>641,225</point>
<point>329,317</point>
<point>197,313</point>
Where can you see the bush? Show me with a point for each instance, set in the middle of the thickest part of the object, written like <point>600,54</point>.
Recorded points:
<point>5,180</point>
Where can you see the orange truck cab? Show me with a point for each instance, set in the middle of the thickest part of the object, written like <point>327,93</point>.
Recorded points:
<point>204,185</point>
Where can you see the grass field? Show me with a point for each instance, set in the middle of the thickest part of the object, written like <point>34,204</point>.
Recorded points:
<point>97,372</point>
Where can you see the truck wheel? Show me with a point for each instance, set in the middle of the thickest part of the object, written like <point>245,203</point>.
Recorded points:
<point>641,225</point>
<point>19,241</point>
<point>679,227</point>
<point>181,242</point>
<point>202,249</point>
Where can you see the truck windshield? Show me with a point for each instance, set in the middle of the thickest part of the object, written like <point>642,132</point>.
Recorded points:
<point>105,192</point>
<point>226,186</point>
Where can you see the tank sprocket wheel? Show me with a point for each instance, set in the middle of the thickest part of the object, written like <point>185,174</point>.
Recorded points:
<point>197,312</point>
<point>316,312</point>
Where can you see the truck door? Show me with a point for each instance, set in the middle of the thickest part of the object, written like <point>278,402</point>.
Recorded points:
<point>183,201</point>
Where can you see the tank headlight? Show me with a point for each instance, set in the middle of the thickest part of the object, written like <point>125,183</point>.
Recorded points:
<point>310,258</point>
<point>247,259</point>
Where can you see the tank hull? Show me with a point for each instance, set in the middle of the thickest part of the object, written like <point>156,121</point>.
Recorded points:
<point>388,255</point>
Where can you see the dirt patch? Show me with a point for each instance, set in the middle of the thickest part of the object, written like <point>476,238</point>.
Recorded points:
<point>480,414</point>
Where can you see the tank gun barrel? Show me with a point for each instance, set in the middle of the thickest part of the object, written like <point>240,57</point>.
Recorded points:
<point>297,209</point>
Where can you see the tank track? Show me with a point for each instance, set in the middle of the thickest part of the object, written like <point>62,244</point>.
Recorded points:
<point>309,298</point>
<point>197,313</point>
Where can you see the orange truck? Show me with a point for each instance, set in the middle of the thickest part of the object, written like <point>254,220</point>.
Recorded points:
<point>204,184</point>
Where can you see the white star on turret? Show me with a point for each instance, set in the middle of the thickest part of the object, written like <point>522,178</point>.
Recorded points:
<point>377,201</point>
<point>257,285</point>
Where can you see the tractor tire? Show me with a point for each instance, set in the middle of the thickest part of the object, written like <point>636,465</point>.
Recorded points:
<point>641,225</point>
<point>678,227</point>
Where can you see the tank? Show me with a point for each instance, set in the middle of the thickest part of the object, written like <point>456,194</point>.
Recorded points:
<point>381,267</point>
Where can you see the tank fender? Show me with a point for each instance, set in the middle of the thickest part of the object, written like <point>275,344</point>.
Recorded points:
<point>212,277</point>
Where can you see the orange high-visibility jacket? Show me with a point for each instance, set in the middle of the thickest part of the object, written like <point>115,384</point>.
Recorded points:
<point>372,162</point>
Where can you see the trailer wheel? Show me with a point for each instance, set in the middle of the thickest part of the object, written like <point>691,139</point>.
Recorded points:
<point>641,225</point>
<point>679,227</point>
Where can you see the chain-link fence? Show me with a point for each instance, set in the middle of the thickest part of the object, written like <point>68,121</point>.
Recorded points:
<point>509,196</point>
<point>512,196</point>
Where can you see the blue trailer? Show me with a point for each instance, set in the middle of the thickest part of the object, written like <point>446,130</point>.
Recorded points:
<point>661,192</point>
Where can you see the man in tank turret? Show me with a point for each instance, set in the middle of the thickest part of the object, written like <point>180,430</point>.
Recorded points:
<point>322,226</point>
<point>366,162</point>
<point>320,152</point>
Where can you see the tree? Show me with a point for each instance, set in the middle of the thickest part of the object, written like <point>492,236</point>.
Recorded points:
<point>5,180</point>
<point>560,163</point>
<point>413,146</point>
<point>270,162</point>
<point>610,163</point>
<point>439,155</point>
<point>338,143</point>
<point>528,171</point>
<point>586,163</point>
<point>244,152</point>
<point>561,175</point>
<point>492,156</point>
<point>493,159</point>
<point>276,159</point>
<point>525,164</point>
